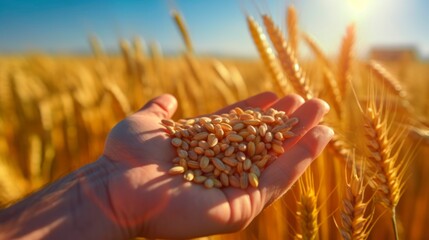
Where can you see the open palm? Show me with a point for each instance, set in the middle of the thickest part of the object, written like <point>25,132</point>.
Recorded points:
<point>147,201</point>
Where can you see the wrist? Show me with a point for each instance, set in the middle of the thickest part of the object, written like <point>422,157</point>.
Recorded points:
<point>76,207</point>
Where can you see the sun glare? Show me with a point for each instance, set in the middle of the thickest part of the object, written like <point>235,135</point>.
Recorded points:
<point>359,8</point>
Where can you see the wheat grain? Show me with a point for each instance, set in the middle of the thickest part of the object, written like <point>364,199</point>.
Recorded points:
<point>217,155</point>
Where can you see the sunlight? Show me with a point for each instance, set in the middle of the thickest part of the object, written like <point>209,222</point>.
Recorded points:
<point>359,8</point>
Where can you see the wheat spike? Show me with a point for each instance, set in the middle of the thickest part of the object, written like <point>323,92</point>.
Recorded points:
<point>317,50</point>
<point>267,55</point>
<point>391,84</point>
<point>339,148</point>
<point>96,48</point>
<point>126,54</point>
<point>139,49</point>
<point>355,223</point>
<point>292,29</point>
<point>333,91</point>
<point>120,100</point>
<point>288,62</point>
<point>345,59</point>
<point>239,83</point>
<point>307,207</point>
<point>183,30</point>
<point>383,156</point>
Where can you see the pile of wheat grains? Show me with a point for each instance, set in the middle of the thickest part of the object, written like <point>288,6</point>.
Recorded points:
<point>230,149</point>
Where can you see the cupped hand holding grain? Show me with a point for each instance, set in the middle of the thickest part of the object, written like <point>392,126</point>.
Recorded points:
<point>149,202</point>
<point>128,192</point>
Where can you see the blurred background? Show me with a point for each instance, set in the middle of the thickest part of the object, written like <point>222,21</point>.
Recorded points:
<point>70,70</point>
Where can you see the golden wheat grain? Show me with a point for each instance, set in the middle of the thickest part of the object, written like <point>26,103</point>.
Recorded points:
<point>223,155</point>
<point>288,62</point>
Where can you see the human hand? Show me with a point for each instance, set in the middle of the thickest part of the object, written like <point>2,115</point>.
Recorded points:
<point>147,201</point>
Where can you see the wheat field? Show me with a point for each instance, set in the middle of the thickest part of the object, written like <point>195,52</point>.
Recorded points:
<point>370,182</point>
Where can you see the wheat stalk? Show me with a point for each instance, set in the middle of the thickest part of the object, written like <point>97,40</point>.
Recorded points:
<point>288,62</point>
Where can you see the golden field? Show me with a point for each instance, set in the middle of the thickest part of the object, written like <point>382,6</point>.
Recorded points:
<point>55,113</point>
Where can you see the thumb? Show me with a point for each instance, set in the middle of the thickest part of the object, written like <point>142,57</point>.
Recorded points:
<point>163,106</point>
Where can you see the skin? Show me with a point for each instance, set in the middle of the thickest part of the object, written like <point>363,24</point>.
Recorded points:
<point>127,192</point>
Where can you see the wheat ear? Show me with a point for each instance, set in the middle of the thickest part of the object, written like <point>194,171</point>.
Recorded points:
<point>339,148</point>
<point>126,54</point>
<point>355,223</point>
<point>178,19</point>
<point>307,207</point>
<point>292,29</point>
<point>345,59</point>
<point>317,51</point>
<point>333,91</point>
<point>288,61</point>
<point>96,48</point>
<point>384,155</point>
<point>267,55</point>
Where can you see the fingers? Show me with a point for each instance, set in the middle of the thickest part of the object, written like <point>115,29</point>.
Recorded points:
<point>284,171</point>
<point>309,114</point>
<point>162,106</point>
<point>261,100</point>
<point>289,103</point>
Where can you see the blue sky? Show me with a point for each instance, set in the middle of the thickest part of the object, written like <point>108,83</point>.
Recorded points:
<point>216,26</point>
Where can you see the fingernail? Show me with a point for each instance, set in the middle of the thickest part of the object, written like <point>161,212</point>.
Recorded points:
<point>168,101</point>
<point>326,107</point>
<point>330,133</point>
